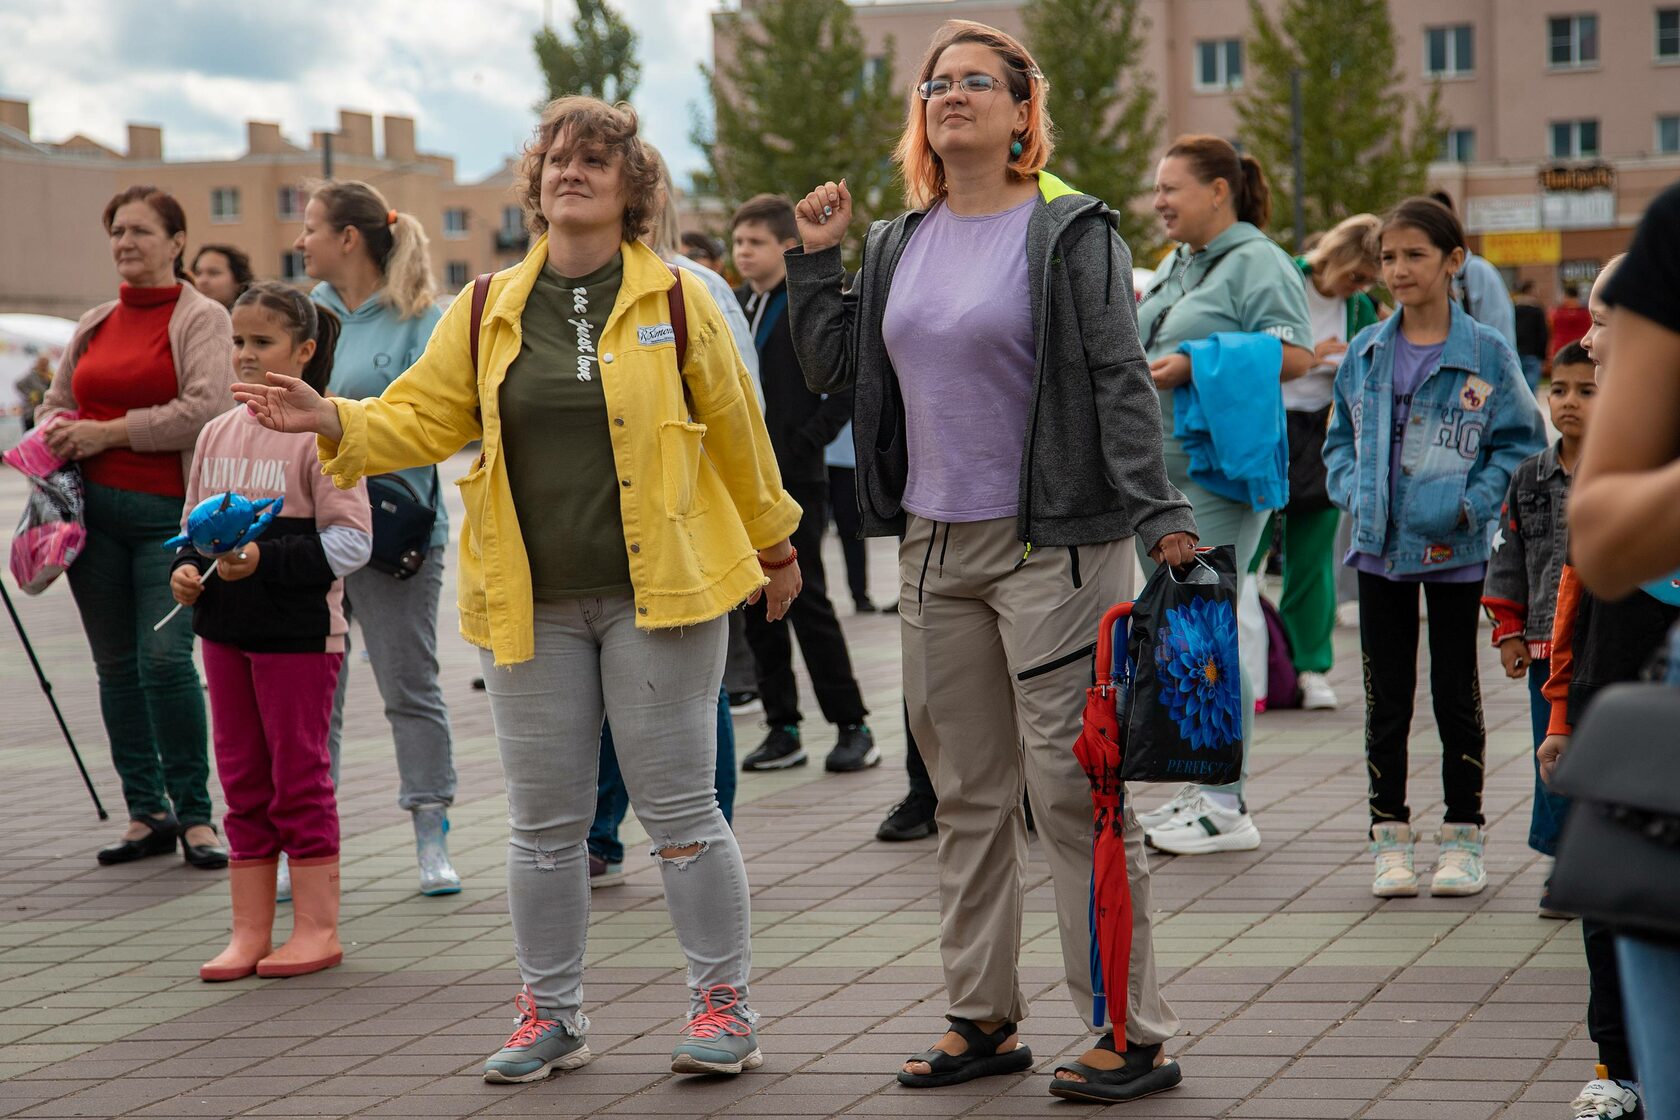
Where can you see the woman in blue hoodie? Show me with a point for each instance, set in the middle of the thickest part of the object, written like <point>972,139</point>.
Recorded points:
<point>1431,415</point>
<point>1225,277</point>
<point>375,274</point>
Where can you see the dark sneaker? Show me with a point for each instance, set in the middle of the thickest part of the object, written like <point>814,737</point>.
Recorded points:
<point>855,750</point>
<point>538,1047</point>
<point>910,819</point>
<point>780,750</point>
<point>717,1040</point>
<point>604,874</point>
<point>864,606</point>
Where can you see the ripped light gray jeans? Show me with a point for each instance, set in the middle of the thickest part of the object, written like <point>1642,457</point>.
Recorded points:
<point>659,688</point>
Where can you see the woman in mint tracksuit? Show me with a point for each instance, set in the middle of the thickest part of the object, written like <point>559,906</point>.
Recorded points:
<point>1335,275</point>
<point>1225,276</point>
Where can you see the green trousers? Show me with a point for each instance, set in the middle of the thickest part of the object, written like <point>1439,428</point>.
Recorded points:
<point>149,692</point>
<point>1308,605</point>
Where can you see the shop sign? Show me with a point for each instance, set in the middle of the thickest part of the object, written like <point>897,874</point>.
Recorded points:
<point>1527,247</point>
<point>1502,212</point>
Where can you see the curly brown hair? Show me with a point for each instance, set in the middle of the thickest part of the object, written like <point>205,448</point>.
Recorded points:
<point>614,128</point>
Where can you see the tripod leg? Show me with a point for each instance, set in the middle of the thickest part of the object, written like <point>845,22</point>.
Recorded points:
<point>46,687</point>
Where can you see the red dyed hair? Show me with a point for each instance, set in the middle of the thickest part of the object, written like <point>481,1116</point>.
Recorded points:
<point>920,165</point>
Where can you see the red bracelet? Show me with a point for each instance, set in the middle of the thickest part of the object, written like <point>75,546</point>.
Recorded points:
<point>793,554</point>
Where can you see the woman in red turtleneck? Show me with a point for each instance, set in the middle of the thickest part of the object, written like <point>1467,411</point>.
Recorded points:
<point>142,375</point>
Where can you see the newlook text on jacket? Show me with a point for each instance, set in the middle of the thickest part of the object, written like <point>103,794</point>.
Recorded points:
<point>1473,422</point>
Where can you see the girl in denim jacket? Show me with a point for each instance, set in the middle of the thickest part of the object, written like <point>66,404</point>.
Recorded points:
<point>1431,417</point>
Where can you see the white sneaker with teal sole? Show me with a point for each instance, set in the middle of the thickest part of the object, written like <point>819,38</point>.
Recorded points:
<point>1392,847</point>
<point>1459,870</point>
<point>538,1046</point>
<point>717,1040</point>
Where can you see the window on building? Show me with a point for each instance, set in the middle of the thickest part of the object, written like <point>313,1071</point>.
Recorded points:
<point>1219,64</point>
<point>291,266</point>
<point>289,203</point>
<point>1449,51</point>
<point>1458,146</point>
<point>224,204</point>
<point>1574,139</point>
<point>513,220</point>
<point>1668,134</point>
<point>1668,34</point>
<point>455,274</point>
<point>1573,41</point>
<point>454,222</point>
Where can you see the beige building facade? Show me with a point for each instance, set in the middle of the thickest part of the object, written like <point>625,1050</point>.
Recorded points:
<point>1565,118</point>
<point>55,260</point>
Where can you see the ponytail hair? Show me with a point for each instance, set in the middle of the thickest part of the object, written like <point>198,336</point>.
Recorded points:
<point>303,319</point>
<point>1211,157</point>
<point>396,242</point>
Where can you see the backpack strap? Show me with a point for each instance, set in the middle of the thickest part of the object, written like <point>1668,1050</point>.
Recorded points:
<point>481,292</point>
<point>679,315</point>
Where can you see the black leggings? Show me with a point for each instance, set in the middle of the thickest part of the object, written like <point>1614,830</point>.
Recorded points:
<point>1388,637</point>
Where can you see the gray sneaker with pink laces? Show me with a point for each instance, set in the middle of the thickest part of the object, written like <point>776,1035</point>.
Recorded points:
<point>718,1040</point>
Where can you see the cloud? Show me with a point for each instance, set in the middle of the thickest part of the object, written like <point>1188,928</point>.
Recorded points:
<point>201,68</point>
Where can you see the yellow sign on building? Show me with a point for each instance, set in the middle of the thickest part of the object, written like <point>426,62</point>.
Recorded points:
<point>1511,250</point>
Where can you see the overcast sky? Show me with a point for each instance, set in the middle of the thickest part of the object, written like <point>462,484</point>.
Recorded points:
<point>200,68</point>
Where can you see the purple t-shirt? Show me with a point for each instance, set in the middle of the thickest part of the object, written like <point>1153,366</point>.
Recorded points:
<point>959,331</point>
<point>1411,365</point>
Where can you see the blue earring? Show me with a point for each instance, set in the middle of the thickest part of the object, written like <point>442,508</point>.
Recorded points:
<point>1015,149</point>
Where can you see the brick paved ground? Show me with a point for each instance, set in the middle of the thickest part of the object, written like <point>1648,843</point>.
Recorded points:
<point>1301,995</point>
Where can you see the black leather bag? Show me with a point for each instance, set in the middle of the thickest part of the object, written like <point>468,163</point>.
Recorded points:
<point>402,524</point>
<point>1619,857</point>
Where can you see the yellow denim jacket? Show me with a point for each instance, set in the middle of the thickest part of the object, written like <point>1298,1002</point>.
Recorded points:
<point>698,486</point>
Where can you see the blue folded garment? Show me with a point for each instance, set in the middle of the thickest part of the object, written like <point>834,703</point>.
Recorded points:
<point>1229,418</point>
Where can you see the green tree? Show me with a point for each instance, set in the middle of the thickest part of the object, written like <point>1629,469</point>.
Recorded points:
<point>1107,128</point>
<point>599,61</point>
<point>1358,151</point>
<point>800,103</point>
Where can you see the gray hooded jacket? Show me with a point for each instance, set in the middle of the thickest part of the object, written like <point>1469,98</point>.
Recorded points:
<point>1091,469</point>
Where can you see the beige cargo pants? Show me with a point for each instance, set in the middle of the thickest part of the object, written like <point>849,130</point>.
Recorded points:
<point>996,663</point>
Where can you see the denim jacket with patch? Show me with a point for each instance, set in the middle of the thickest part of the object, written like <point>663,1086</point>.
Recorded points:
<point>1473,421</point>
<point>1529,551</point>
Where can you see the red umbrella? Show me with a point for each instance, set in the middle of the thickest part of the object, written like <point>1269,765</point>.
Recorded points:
<point>1098,751</point>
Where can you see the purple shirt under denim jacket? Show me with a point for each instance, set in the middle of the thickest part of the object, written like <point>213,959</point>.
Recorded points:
<point>1473,420</point>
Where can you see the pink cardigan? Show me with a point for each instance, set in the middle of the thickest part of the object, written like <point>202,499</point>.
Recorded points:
<point>201,341</point>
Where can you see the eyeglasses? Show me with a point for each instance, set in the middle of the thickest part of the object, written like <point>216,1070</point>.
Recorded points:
<point>974,83</point>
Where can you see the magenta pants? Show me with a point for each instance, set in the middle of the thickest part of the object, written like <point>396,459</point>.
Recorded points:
<point>269,714</point>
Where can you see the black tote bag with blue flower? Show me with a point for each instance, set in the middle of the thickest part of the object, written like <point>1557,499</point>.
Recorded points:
<point>1183,721</point>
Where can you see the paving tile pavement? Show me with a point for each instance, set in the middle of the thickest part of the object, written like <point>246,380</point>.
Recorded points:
<point>1301,996</point>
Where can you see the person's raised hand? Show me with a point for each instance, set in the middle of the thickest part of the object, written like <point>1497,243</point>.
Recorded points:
<point>823,216</point>
<point>288,404</point>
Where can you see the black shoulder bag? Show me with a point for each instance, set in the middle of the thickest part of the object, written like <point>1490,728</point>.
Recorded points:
<point>1619,857</point>
<point>402,524</point>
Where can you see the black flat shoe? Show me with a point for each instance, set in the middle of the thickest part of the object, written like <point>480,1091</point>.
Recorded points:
<point>160,841</point>
<point>210,857</point>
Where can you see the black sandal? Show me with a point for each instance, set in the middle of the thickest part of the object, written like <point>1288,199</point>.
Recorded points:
<point>981,1059</point>
<point>1139,1076</point>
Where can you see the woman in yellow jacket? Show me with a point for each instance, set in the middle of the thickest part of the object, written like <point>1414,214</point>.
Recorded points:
<point>620,508</point>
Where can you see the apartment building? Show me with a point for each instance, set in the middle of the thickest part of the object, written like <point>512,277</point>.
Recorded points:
<point>54,259</point>
<point>1565,116</point>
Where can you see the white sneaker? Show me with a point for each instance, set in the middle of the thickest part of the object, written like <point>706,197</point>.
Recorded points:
<point>1392,845</point>
<point>1604,1099</point>
<point>1202,827</point>
<point>1316,693</point>
<point>1160,815</point>
<point>1458,869</point>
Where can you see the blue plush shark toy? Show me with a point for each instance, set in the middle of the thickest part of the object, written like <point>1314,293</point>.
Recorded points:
<point>223,522</point>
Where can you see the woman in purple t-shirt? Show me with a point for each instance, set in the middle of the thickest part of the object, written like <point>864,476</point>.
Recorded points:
<point>1007,427</point>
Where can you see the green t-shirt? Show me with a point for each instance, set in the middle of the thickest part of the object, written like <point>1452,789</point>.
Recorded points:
<point>557,442</point>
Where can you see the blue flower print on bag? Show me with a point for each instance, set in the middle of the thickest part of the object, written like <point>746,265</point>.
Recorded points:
<point>1196,655</point>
